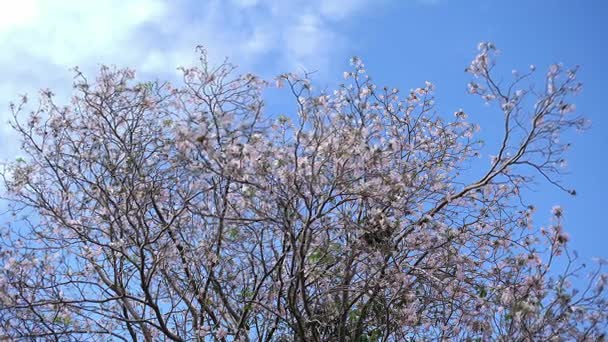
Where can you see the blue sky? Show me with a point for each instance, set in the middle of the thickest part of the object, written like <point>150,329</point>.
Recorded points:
<point>403,43</point>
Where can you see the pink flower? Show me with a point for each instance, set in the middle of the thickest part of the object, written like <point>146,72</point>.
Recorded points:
<point>221,333</point>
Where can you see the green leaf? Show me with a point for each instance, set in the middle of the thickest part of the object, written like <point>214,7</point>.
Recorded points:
<point>233,233</point>
<point>482,292</point>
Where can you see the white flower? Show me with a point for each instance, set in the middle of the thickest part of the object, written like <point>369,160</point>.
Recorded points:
<point>557,211</point>
<point>508,106</point>
<point>460,114</point>
<point>506,297</point>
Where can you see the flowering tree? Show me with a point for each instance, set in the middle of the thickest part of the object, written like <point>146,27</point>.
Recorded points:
<point>144,211</point>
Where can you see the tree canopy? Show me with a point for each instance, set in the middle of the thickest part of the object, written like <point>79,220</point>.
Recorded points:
<point>151,211</point>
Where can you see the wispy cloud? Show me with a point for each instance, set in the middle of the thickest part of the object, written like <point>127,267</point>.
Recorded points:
<point>156,34</point>
<point>42,39</point>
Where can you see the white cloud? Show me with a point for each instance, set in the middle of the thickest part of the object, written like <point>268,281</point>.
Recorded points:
<point>74,32</point>
<point>17,14</point>
<point>42,39</point>
<point>158,35</point>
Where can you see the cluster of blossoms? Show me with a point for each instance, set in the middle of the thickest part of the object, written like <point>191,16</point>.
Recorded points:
<point>144,211</point>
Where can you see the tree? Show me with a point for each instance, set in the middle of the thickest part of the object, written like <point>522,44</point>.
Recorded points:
<point>144,211</point>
